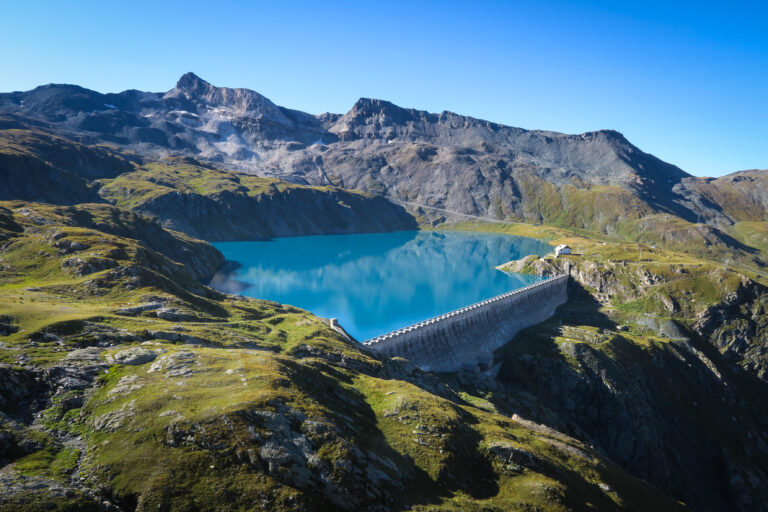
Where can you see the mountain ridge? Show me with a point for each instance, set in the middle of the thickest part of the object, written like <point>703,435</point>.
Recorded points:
<point>598,181</point>
<point>194,89</point>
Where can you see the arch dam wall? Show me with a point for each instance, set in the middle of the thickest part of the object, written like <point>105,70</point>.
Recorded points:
<point>468,336</point>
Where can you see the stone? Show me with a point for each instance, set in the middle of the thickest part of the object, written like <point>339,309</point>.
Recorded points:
<point>134,356</point>
<point>172,314</point>
<point>135,310</point>
<point>89,354</point>
<point>125,385</point>
<point>510,455</point>
<point>175,364</point>
<point>113,420</point>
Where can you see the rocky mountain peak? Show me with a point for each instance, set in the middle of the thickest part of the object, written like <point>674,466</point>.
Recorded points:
<point>190,87</point>
<point>384,111</point>
<point>240,102</point>
<point>193,84</point>
<point>606,135</point>
<point>368,116</point>
<point>369,106</point>
<point>195,117</point>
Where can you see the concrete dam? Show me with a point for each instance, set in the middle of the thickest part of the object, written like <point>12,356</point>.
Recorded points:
<point>468,336</point>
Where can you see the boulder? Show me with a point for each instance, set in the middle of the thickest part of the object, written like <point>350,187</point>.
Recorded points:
<point>134,356</point>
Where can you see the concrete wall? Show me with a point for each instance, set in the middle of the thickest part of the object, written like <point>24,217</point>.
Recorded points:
<point>469,335</point>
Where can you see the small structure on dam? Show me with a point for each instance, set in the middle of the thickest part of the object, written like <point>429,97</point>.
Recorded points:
<point>468,336</point>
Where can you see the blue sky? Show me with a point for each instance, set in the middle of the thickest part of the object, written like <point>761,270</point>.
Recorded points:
<point>686,81</point>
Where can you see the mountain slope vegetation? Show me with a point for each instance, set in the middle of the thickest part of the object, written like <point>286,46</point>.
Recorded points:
<point>223,205</point>
<point>146,390</point>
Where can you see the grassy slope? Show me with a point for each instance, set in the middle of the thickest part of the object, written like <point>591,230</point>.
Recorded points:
<point>617,213</point>
<point>639,277</point>
<point>224,205</point>
<point>739,195</point>
<point>132,190</point>
<point>37,165</point>
<point>754,234</point>
<point>348,431</point>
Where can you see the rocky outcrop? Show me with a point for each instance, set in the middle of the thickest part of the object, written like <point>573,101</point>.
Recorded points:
<point>738,327</point>
<point>734,322</point>
<point>646,410</point>
<point>134,356</point>
<point>290,212</point>
<point>200,258</point>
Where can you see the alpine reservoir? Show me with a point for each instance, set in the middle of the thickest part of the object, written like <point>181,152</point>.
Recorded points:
<point>379,282</point>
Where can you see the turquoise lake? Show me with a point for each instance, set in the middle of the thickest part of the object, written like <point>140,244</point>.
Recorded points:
<point>375,283</point>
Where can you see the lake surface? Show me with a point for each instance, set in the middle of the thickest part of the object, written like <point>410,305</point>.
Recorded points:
<point>376,283</point>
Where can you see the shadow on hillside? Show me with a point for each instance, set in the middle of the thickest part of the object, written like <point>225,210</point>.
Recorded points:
<point>582,308</point>
<point>464,470</point>
<point>665,410</point>
<point>535,346</point>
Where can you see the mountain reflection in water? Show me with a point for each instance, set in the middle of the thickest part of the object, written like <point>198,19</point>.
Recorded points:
<point>375,283</point>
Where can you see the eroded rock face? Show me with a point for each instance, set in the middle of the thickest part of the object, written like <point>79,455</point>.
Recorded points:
<point>513,459</point>
<point>739,327</point>
<point>735,323</point>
